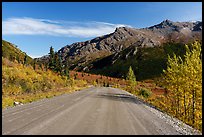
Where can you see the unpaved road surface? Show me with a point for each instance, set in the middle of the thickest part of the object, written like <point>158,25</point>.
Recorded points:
<point>97,110</point>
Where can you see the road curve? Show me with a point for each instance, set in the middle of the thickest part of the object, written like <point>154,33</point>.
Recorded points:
<point>96,110</point>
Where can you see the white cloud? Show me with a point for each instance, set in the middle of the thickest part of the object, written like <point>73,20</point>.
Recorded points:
<point>30,26</point>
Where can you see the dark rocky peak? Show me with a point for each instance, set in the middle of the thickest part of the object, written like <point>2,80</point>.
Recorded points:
<point>164,24</point>
<point>167,26</point>
<point>167,22</point>
<point>119,29</point>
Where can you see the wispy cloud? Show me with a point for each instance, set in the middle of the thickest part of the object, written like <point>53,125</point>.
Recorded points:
<point>31,26</point>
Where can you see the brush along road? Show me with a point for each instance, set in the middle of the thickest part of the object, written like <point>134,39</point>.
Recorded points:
<point>96,110</point>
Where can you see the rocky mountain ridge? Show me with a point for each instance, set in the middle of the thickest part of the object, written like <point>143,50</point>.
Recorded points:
<point>81,54</point>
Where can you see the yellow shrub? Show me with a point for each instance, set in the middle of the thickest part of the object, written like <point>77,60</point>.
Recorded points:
<point>11,90</point>
<point>7,101</point>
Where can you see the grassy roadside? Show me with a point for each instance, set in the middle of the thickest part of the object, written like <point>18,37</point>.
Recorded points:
<point>8,101</point>
<point>24,84</point>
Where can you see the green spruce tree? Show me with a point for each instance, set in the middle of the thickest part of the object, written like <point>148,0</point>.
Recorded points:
<point>51,64</point>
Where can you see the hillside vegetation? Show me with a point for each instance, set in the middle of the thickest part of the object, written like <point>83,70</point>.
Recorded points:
<point>24,84</point>
<point>11,52</point>
<point>24,81</point>
<point>147,63</point>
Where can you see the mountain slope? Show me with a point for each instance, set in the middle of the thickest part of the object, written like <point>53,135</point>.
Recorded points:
<point>11,52</point>
<point>146,62</point>
<point>83,53</point>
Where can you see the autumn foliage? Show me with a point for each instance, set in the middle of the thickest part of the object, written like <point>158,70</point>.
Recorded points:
<point>25,81</point>
<point>183,79</point>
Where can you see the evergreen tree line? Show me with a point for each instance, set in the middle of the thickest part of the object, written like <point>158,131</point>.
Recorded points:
<point>55,63</point>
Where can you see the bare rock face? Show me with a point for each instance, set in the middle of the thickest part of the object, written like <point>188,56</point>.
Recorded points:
<point>122,38</point>
<point>82,53</point>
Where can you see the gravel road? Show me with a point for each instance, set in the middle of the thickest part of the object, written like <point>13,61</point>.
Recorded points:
<point>96,110</point>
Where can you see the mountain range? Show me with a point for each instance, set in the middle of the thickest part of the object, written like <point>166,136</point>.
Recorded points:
<point>98,53</point>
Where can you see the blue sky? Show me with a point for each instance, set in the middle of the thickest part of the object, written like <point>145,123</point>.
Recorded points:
<point>35,26</point>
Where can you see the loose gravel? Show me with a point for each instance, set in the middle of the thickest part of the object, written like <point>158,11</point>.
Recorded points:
<point>180,126</point>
